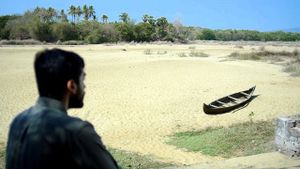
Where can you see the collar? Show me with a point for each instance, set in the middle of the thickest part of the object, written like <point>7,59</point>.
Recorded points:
<point>51,103</point>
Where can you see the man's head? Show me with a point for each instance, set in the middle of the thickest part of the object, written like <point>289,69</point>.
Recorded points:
<point>59,75</point>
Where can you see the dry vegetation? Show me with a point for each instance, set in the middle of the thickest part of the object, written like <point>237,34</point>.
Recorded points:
<point>290,60</point>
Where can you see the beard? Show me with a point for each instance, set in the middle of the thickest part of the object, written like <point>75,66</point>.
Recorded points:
<point>76,101</point>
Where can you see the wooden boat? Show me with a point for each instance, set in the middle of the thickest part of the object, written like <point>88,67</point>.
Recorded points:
<point>230,102</point>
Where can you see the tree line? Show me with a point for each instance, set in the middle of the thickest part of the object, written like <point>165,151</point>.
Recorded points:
<point>52,25</point>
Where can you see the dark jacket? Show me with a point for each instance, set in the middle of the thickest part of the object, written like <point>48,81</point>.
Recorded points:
<point>45,137</point>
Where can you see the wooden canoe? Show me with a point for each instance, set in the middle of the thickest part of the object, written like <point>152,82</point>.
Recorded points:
<point>229,103</point>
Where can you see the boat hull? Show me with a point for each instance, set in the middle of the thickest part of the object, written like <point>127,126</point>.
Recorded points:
<point>230,102</point>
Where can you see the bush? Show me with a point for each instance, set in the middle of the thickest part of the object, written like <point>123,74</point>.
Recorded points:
<point>182,54</point>
<point>194,53</point>
<point>148,52</point>
<point>42,31</point>
<point>73,42</point>
<point>65,31</point>
<point>207,34</point>
<point>20,42</point>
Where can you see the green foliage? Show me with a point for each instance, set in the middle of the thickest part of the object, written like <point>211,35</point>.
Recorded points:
<point>162,25</point>
<point>19,28</point>
<point>125,31</point>
<point>4,33</point>
<point>144,32</point>
<point>105,33</point>
<point>42,31</point>
<point>237,140</point>
<point>124,17</point>
<point>85,28</point>
<point>207,34</point>
<point>128,160</point>
<point>65,31</point>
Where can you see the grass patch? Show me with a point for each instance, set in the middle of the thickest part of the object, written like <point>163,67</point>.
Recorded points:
<point>129,160</point>
<point>291,59</point>
<point>20,42</point>
<point>2,156</point>
<point>148,52</point>
<point>293,68</point>
<point>162,52</point>
<point>239,46</point>
<point>192,47</point>
<point>71,42</point>
<point>182,54</point>
<point>125,159</point>
<point>195,53</point>
<point>237,140</point>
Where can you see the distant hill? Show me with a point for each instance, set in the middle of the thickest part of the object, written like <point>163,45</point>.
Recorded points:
<point>292,30</point>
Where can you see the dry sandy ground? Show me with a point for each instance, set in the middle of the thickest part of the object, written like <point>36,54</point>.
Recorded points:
<point>135,100</point>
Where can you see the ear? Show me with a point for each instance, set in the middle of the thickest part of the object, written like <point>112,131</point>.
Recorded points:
<point>71,86</point>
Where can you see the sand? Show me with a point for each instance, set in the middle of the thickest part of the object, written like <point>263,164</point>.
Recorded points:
<point>135,101</point>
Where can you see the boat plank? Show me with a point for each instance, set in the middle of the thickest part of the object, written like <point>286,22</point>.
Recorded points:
<point>220,102</point>
<point>233,98</point>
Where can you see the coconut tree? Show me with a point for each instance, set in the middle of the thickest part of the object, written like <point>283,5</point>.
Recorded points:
<point>124,17</point>
<point>86,12</point>
<point>51,13</point>
<point>78,12</point>
<point>63,17</point>
<point>72,12</point>
<point>92,12</point>
<point>104,18</point>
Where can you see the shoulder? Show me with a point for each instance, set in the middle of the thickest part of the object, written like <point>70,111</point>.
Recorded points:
<point>76,124</point>
<point>21,117</point>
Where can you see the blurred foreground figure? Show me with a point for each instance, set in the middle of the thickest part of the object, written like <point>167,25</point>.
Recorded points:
<point>44,136</point>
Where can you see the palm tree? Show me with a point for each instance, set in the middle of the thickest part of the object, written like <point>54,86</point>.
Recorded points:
<point>63,17</point>
<point>72,12</point>
<point>78,12</point>
<point>145,18</point>
<point>92,12</point>
<point>124,17</point>
<point>149,19</point>
<point>104,18</point>
<point>94,17</point>
<point>86,12</point>
<point>51,13</point>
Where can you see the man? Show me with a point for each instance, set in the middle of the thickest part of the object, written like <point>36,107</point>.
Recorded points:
<point>44,136</point>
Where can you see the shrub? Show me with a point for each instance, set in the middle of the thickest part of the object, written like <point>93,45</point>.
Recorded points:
<point>42,31</point>
<point>65,31</point>
<point>162,52</point>
<point>148,52</point>
<point>295,52</point>
<point>20,42</point>
<point>182,54</point>
<point>192,47</point>
<point>207,34</point>
<point>73,42</point>
<point>194,53</point>
<point>239,46</point>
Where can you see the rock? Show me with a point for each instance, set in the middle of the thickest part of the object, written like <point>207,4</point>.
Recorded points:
<point>287,137</point>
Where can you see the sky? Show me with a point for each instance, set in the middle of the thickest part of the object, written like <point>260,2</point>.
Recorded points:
<point>261,15</point>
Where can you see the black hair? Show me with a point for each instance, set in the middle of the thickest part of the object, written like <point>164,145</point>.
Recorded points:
<point>53,68</point>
